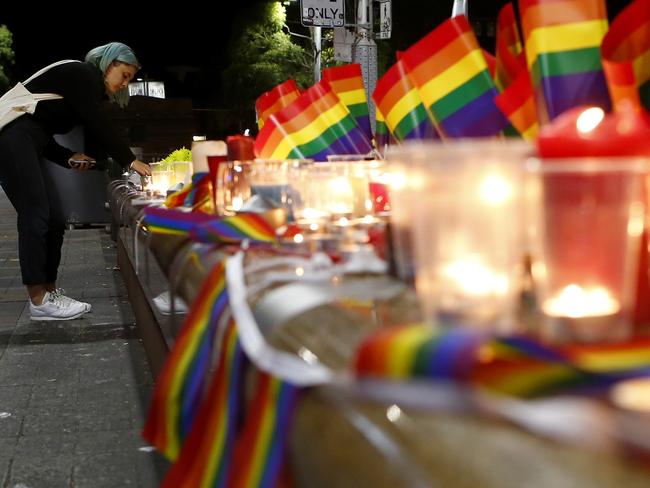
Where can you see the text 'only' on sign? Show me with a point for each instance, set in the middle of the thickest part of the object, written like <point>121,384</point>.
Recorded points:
<point>322,13</point>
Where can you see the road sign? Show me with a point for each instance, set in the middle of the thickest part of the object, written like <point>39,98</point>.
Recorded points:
<point>322,13</point>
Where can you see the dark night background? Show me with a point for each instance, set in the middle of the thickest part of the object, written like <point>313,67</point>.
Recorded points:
<point>181,46</point>
<point>187,48</point>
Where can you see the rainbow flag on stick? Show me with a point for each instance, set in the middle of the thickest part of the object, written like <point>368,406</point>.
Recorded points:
<point>179,387</point>
<point>626,56</point>
<point>205,460</point>
<point>382,134</point>
<point>273,100</point>
<point>517,102</point>
<point>316,124</point>
<point>451,74</point>
<point>510,56</point>
<point>260,448</point>
<point>398,101</point>
<point>562,39</point>
<point>347,82</point>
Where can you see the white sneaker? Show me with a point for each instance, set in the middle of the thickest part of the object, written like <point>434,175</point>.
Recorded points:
<point>163,303</point>
<point>61,292</point>
<point>54,307</point>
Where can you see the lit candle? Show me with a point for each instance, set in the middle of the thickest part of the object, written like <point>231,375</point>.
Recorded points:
<point>471,277</point>
<point>633,394</point>
<point>576,302</point>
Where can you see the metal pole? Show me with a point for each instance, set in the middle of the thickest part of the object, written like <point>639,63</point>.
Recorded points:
<point>364,52</point>
<point>316,31</point>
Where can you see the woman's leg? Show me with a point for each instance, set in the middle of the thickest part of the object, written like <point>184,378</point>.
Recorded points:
<point>21,176</point>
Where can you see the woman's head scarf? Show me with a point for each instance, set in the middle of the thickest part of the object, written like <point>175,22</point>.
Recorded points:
<point>103,56</point>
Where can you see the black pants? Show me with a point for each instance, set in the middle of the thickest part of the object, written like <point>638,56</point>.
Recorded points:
<point>32,192</point>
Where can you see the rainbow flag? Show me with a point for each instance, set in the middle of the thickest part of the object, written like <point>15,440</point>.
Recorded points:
<point>513,365</point>
<point>316,124</point>
<point>347,82</point>
<point>451,74</point>
<point>382,134</point>
<point>397,100</point>
<point>170,221</point>
<point>626,56</point>
<point>179,386</point>
<point>273,100</point>
<point>562,39</point>
<point>260,448</point>
<point>235,229</point>
<point>205,460</point>
<point>510,56</point>
<point>517,102</point>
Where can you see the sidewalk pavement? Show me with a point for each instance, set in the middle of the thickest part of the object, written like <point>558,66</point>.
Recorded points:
<point>73,395</point>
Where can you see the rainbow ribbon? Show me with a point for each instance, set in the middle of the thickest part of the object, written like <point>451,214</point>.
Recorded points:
<point>513,365</point>
<point>235,229</point>
<point>205,460</point>
<point>260,448</point>
<point>179,387</point>
<point>170,221</point>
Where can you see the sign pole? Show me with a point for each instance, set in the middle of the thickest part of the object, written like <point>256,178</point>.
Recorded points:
<point>316,35</point>
<point>364,52</point>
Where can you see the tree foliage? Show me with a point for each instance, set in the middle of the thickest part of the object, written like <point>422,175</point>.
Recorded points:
<point>6,57</point>
<point>262,55</point>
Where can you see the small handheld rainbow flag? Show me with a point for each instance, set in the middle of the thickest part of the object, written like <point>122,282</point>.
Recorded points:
<point>510,56</point>
<point>398,101</point>
<point>273,100</point>
<point>517,102</point>
<point>316,124</point>
<point>451,74</point>
<point>260,448</point>
<point>382,134</point>
<point>562,42</point>
<point>170,221</point>
<point>626,56</point>
<point>347,82</point>
<point>179,387</point>
<point>205,460</point>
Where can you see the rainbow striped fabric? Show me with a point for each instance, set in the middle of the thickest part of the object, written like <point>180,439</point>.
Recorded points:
<point>260,449</point>
<point>626,56</point>
<point>273,100</point>
<point>234,229</point>
<point>347,82</point>
<point>517,102</point>
<point>398,100</point>
<point>382,134</point>
<point>179,387</point>
<point>513,365</point>
<point>171,221</point>
<point>562,42</point>
<point>206,457</point>
<point>510,56</point>
<point>316,124</point>
<point>197,195</point>
<point>453,81</point>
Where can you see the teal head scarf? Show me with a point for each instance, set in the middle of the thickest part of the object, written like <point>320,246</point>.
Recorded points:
<point>103,56</point>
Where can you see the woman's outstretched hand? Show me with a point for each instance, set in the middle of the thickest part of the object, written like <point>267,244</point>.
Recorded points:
<point>143,169</point>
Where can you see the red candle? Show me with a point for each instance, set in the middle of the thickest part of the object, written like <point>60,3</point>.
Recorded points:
<point>590,132</point>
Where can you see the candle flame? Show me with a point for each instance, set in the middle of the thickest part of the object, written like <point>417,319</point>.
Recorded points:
<point>589,119</point>
<point>575,302</point>
<point>495,190</point>
<point>474,278</point>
